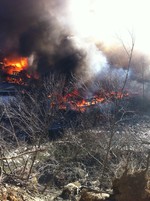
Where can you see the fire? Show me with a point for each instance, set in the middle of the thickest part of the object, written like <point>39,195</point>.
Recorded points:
<point>15,69</point>
<point>75,101</point>
<point>15,65</point>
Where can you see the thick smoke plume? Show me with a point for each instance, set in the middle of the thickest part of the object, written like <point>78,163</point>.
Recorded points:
<point>39,28</point>
<point>41,31</point>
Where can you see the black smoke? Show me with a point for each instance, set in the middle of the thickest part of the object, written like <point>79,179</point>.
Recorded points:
<point>40,28</point>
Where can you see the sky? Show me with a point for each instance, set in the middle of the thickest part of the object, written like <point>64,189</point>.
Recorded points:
<point>108,20</point>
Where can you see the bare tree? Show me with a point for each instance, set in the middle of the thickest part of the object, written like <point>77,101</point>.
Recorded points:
<point>119,109</point>
<point>28,119</point>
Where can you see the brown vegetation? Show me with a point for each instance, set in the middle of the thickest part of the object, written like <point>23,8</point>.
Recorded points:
<point>132,187</point>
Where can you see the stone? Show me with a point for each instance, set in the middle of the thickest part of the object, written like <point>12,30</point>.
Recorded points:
<point>93,195</point>
<point>70,190</point>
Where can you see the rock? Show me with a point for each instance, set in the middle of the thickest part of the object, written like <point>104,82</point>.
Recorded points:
<point>92,195</point>
<point>70,190</point>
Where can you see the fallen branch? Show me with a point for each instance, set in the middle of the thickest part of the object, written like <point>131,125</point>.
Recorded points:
<point>22,154</point>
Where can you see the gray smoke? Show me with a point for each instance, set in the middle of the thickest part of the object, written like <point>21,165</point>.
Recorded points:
<point>139,69</point>
<point>42,31</point>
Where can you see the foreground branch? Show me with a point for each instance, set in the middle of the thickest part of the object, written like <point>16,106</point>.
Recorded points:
<point>22,154</point>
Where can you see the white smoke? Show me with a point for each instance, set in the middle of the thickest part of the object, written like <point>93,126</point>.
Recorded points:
<point>95,63</point>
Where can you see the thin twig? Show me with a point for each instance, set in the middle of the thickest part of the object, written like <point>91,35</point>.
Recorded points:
<point>22,154</point>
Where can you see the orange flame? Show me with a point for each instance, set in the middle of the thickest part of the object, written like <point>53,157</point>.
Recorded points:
<point>15,65</point>
<point>75,102</point>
